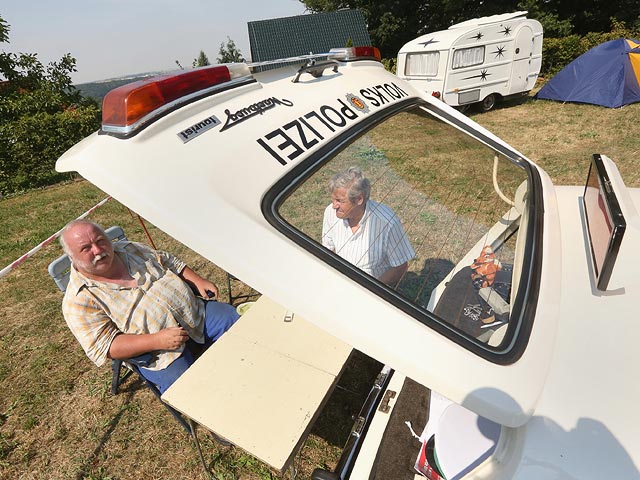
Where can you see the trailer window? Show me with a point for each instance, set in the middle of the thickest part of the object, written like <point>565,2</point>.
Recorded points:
<point>468,57</point>
<point>422,64</point>
<point>436,229</point>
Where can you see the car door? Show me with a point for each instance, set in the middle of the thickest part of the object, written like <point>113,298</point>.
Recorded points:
<point>250,193</point>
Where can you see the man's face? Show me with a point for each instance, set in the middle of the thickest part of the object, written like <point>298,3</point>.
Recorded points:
<point>90,250</point>
<point>344,207</point>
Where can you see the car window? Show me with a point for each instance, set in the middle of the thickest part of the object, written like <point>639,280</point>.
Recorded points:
<point>434,211</point>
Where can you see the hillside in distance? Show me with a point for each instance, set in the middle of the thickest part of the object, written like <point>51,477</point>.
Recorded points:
<point>97,90</point>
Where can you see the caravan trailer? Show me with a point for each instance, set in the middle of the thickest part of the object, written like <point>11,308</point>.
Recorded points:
<point>533,366</point>
<point>480,61</point>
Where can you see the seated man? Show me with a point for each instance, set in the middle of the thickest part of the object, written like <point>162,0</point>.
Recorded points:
<point>127,301</point>
<point>366,233</point>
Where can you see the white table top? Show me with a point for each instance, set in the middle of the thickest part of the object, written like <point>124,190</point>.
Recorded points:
<point>262,383</point>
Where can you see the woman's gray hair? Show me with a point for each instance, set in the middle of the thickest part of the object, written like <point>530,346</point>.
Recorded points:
<point>69,225</point>
<point>354,181</point>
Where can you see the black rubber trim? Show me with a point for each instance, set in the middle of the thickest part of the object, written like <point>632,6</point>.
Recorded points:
<point>350,452</point>
<point>525,303</point>
<point>619,224</point>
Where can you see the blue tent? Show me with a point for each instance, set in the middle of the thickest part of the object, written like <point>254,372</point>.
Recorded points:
<point>607,75</point>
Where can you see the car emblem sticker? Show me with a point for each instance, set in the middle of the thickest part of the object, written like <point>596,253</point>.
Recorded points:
<point>258,108</point>
<point>199,128</point>
<point>358,103</point>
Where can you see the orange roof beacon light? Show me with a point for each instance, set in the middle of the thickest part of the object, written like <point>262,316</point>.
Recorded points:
<point>126,109</point>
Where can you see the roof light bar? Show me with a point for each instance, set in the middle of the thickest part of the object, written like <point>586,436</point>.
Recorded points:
<point>282,61</point>
<point>355,53</point>
<point>127,108</point>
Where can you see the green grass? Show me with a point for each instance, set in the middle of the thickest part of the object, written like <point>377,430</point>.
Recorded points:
<point>562,137</point>
<point>55,406</point>
<point>57,419</point>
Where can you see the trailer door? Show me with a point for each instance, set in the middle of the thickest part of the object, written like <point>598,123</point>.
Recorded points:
<point>523,50</point>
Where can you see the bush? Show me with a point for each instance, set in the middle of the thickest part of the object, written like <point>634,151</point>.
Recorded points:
<point>31,144</point>
<point>41,116</point>
<point>389,64</point>
<point>559,52</point>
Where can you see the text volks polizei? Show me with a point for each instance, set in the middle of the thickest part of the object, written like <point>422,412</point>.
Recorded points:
<point>292,139</point>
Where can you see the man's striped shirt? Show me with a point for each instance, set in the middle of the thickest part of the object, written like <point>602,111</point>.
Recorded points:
<point>379,243</point>
<point>98,311</point>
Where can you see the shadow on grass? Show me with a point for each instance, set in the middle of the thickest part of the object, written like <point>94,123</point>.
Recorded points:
<point>417,287</point>
<point>508,103</point>
<point>127,390</point>
<point>337,417</point>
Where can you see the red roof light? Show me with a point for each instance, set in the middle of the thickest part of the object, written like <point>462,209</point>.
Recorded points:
<point>355,53</point>
<point>128,105</point>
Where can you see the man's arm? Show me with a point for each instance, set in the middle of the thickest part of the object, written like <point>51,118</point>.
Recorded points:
<point>398,250</point>
<point>327,227</point>
<point>201,285</point>
<point>127,345</point>
<point>198,284</point>
<point>392,276</point>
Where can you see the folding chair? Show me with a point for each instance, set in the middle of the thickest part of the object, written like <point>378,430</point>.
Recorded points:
<point>59,270</point>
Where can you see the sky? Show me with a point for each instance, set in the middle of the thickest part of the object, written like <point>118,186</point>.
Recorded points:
<point>113,38</point>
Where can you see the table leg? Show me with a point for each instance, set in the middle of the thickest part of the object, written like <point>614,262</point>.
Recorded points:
<point>192,427</point>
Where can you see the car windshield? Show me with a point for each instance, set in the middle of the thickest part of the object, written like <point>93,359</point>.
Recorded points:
<point>446,215</point>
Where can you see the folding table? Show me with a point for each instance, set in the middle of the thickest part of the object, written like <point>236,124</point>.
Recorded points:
<point>263,383</point>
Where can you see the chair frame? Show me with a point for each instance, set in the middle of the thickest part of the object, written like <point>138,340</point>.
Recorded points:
<point>234,298</point>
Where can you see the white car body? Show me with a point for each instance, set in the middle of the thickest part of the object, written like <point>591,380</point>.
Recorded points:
<point>561,383</point>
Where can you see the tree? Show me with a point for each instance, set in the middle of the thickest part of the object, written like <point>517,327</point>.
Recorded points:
<point>4,31</point>
<point>553,26</point>
<point>41,116</point>
<point>201,61</point>
<point>229,53</point>
<point>390,24</point>
<point>595,15</point>
<point>393,23</point>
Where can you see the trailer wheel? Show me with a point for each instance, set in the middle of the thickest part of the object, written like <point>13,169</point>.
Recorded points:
<point>488,103</point>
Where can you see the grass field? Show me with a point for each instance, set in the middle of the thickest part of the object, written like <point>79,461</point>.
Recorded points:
<point>57,419</point>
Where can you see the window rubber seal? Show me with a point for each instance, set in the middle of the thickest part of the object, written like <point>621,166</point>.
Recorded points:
<point>517,338</point>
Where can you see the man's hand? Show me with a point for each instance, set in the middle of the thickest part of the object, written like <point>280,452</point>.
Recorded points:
<point>128,345</point>
<point>171,338</point>
<point>392,276</point>
<point>202,285</point>
<point>207,289</point>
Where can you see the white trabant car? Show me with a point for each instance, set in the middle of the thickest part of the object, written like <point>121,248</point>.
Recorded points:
<point>517,304</point>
